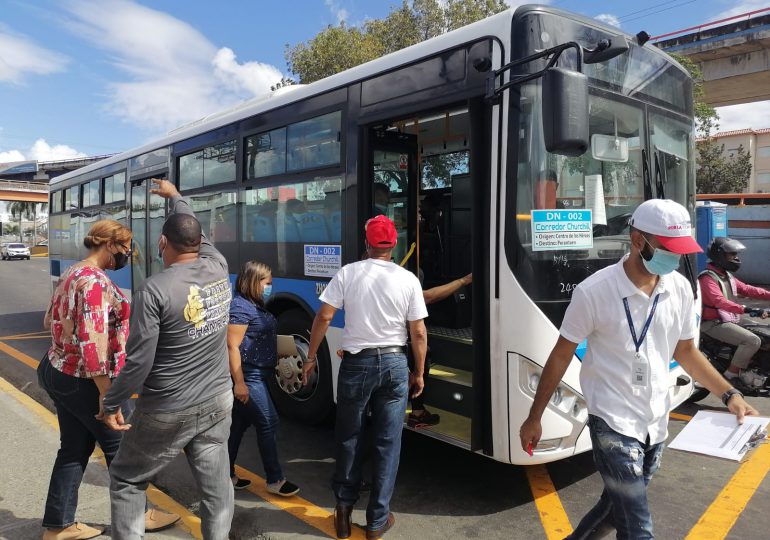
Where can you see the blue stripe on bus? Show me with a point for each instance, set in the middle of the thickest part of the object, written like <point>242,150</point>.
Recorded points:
<point>580,352</point>
<point>303,288</point>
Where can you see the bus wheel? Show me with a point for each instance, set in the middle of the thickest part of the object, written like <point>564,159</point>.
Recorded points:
<point>312,402</point>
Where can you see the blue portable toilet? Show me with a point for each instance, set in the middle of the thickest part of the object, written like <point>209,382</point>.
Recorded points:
<point>711,221</point>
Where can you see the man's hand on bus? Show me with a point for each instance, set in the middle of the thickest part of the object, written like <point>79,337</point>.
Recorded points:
<point>164,188</point>
<point>416,385</point>
<point>530,433</point>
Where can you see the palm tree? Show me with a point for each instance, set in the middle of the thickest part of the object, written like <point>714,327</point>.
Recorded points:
<point>23,209</point>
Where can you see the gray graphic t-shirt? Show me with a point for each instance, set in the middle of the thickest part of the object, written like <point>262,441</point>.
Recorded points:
<point>176,355</point>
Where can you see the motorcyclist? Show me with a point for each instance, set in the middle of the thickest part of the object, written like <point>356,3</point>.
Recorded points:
<point>721,318</point>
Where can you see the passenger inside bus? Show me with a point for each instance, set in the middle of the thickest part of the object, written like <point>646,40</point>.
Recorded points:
<point>546,187</point>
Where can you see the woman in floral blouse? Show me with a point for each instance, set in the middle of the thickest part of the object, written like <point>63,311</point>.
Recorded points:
<point>88,318</point>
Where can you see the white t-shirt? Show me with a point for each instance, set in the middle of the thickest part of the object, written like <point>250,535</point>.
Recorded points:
<point>378,297</point>
<point>596,313</point>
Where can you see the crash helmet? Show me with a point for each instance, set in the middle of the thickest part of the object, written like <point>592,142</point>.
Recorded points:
<point>720,247</point>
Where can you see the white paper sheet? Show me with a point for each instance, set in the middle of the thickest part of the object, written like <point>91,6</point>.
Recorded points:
<point>718,434</point>
<point>594,197</point>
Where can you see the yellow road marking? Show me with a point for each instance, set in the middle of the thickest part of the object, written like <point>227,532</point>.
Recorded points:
<point>304,510</point>
<point>719,518</point>
<point>18,338</point>
<point>18,355</point>
<point>45,332</point>
<point>552,514</point>
<point>189,521</point>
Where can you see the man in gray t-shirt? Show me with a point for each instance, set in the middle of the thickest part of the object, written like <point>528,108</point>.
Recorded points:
<point>176,357</point>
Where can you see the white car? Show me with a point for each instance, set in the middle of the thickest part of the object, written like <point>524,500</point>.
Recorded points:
<point>14,251</point>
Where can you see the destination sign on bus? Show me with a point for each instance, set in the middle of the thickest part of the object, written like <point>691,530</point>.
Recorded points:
<point>562,229</point>
<point>322,261</point>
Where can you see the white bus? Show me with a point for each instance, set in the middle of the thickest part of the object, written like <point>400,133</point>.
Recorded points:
<point>472,120</point>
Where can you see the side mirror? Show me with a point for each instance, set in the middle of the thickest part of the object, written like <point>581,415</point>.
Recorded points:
<point>565,112</point>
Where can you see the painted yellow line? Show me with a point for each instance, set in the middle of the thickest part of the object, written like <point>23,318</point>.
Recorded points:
<point>552,514</point>
<point>677,416</point>
<point>39,332</point>
<point>189,521</point>
<point>304,510</point>
<point>719,518</point>
<point>17,338</point>
<point>18,355</point>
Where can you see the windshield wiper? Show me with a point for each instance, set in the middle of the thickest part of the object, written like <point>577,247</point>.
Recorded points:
<point>646,175</point>
<point>659,178</point>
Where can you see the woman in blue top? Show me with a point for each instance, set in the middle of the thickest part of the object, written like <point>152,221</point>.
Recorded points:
<point>252,348</point>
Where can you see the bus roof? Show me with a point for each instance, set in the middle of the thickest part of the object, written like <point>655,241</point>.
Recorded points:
<point>494,26</point>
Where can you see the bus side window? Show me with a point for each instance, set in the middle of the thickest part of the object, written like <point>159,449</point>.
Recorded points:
<point>264,223</point>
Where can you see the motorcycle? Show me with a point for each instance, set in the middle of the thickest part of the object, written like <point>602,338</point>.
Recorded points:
<point>720,354</point>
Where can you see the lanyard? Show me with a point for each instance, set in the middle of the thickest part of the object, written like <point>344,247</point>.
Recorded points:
<point>638,342</point>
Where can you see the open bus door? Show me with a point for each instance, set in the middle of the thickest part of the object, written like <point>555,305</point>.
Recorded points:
<point>392,185</point>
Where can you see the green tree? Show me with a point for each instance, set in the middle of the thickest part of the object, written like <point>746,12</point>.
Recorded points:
<point>716,172</point>
<point>337,48</point>
<point>21,210</point>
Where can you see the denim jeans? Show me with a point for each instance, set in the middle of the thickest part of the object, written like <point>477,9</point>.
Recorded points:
<point>76,401</point>
<point>626,467</point>
<point>382,382</point>
<point>260,412</point>
<point>157,438</point>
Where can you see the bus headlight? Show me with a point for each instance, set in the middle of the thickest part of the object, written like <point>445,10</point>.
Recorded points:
<point>564,398</point>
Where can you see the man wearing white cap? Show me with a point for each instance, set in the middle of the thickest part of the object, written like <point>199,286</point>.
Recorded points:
<point>636,315</point>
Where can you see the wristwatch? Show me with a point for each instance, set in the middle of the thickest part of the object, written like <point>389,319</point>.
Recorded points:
<point>730,393</point>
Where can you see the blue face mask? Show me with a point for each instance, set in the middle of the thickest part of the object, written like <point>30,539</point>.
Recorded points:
<point>662,262</point>
<point>267,290</point>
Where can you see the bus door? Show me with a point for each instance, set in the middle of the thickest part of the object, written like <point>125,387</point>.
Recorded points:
<point>148,213</point>
<point>391,187</point>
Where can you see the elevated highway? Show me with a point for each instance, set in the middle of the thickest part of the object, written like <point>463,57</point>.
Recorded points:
<point>734,54</point>
<point>23,191</point>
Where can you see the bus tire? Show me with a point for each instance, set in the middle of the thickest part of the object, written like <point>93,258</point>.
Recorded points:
<point>312,403</point>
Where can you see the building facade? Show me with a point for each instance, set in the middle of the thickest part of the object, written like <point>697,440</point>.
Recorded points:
<point>757,143</point>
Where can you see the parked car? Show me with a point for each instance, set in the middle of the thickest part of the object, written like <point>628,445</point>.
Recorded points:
<point>14,250</point>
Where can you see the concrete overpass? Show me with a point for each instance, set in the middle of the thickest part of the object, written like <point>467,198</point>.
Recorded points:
<point>734,54</point>
<point>23,191</point>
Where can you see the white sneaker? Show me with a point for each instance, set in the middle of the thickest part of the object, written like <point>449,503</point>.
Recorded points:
<point>752,378</point>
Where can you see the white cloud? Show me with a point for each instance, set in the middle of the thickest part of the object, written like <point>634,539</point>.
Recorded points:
<point>174,73</point>
<point>10,156</point>
<point>608,18</point>
<point>745,116</point>
<point>740,8</point>
<point>340,13</point>
<point>41,151</point>
<point>20,56</point>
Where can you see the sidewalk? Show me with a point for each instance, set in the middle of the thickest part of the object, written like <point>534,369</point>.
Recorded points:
<point>28,447</point>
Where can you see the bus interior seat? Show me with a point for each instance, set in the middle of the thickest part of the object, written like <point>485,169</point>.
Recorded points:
<point>264,228</point>
<point>312,227</point>
<point>289,229</point>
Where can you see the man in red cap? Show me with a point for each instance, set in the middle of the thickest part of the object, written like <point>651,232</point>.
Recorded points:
<point>636,316</point>
<point>380,300</point>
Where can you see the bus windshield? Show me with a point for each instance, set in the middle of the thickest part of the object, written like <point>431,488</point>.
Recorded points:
<point>640,148</point>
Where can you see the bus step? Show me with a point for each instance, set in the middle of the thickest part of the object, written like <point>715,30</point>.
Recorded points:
<point>452,428</point>
<point>448,352</point>
<point>450,389</point>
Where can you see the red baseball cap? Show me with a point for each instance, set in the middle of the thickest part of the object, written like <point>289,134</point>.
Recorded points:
<point>380,232</point>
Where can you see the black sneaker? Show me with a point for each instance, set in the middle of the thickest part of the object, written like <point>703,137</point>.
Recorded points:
<point>425,419</point>
<point>284,488</point>
<point>241,483</point>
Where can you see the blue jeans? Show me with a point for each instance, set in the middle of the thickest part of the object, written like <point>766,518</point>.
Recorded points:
<point>260,412</point>
<point>626,467</point>
<point>380,381</point>
<point>76,401</point>
<point>153,441</point>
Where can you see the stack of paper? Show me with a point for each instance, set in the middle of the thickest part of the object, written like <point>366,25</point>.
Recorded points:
<point>719,434</point>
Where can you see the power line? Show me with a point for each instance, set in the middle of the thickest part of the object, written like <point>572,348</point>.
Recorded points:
<point>621,17</point>
<point>659,11</point>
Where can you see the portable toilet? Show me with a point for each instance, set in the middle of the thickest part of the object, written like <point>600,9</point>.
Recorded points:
<point>711,221</point>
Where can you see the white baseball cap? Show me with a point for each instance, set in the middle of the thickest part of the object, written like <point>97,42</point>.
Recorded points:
<point>669,222</point>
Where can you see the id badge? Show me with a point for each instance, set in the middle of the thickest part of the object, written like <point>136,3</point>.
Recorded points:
<point>640,373</point>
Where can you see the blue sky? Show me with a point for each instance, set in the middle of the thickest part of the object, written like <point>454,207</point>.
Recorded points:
<point>91,77</point>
